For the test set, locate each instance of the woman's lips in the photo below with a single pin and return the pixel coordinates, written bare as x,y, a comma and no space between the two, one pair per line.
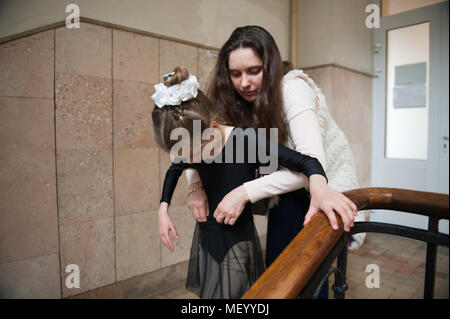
249,93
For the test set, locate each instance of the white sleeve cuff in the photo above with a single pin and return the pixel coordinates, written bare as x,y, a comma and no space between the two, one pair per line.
192,176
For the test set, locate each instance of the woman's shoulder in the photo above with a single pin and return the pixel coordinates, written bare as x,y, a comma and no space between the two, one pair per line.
298,95
296,77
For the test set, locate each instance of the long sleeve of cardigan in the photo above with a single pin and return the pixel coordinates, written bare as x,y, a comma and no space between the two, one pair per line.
192,176
307,139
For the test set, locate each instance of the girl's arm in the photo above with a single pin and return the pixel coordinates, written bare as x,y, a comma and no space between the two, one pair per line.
165,224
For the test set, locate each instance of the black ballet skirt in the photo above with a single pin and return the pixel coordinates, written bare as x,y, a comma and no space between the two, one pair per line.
226,260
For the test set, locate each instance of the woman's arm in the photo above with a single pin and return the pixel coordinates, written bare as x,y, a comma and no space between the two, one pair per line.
192,176
197,200
323,198
307,139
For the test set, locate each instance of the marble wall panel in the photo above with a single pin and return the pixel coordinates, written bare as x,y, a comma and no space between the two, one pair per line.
85,185
136,180
33,278
84,51
172,54
137,244
27,139
90,245
132,105
26,66
206,62
83,112
135,57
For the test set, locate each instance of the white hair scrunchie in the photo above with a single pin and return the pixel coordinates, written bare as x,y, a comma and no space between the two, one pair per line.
177,93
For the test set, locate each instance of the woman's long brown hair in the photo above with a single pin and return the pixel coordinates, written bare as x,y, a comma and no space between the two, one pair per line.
267,110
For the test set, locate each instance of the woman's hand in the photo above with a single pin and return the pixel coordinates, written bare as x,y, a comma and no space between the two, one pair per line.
198,203
329,201
166,226
231,206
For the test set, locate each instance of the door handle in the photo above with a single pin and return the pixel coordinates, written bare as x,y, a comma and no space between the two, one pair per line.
445,138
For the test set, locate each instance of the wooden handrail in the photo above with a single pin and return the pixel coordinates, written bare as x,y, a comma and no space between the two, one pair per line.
290,272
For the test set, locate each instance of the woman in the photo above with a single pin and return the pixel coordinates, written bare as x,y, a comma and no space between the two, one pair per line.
225,255
249,86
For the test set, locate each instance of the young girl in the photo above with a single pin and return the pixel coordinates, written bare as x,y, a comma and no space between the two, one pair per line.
226,255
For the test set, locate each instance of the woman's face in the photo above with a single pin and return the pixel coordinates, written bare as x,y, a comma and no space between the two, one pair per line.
246,72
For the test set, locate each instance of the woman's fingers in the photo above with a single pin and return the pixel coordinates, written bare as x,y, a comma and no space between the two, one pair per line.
331,218
311,212
343,211
222,216
218,215
198,215
346,209
229,220
351,205
198,204
204,210
337,204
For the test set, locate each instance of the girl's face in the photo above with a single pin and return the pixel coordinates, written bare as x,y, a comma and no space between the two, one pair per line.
246,72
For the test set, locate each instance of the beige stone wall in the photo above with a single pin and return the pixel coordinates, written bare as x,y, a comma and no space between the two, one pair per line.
81,174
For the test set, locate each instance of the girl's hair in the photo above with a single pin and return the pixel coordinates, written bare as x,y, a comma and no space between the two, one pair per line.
169,117
267,110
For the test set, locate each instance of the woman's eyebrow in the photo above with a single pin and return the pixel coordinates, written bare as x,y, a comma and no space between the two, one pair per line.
250,67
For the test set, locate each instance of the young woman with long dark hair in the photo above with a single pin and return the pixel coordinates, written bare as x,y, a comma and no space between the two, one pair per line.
249,85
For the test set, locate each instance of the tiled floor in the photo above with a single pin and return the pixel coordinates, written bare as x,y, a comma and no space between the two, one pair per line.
401,265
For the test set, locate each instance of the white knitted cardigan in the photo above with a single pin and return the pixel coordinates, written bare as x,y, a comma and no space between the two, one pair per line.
340,163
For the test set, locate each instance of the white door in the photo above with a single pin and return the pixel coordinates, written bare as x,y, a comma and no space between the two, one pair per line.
411,107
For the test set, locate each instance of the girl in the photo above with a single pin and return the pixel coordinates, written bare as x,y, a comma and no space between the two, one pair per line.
225,255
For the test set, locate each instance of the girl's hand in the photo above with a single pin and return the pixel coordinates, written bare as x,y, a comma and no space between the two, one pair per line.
231,206
198,203
330,201
166,226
